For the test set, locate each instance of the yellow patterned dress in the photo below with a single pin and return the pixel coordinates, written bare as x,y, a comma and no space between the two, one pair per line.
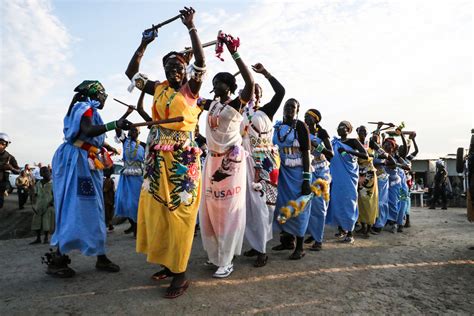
170,194
368,200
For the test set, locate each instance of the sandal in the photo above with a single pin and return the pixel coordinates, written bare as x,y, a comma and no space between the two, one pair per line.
261,260
174,292
251,253
162,274
297,255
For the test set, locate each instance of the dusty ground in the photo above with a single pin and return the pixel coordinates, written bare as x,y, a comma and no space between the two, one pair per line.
428,269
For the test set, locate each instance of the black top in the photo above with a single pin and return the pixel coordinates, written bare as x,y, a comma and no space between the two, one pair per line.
5,158
271,107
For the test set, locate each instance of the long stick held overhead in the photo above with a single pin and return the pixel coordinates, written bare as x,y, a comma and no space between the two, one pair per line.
189,49
159,122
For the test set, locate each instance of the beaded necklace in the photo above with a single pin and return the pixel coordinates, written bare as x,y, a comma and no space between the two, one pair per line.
131,155
170,99
214,119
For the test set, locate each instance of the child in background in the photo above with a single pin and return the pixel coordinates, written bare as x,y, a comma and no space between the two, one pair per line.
109,198
43,218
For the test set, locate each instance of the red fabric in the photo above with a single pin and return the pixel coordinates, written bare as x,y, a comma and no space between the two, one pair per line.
88,113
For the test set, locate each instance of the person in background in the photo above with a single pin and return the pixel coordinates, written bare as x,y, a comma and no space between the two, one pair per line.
43,218
109,198
22,185
441,185
7,164
31,184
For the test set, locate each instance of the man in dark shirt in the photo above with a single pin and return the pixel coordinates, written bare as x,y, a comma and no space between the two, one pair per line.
440,186
7,164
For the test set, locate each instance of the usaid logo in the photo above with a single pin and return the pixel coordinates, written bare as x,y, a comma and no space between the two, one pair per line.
223,194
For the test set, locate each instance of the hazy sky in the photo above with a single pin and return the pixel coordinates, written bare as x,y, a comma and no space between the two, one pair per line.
360,61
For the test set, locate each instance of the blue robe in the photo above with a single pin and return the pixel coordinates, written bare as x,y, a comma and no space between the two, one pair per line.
393,194
129,186
319,206
343,210
383,183
404,197
290,180
77,189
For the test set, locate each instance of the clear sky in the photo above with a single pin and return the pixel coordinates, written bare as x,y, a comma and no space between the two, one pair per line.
360,61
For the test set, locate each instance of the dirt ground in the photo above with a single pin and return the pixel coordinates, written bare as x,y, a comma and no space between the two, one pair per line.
428,269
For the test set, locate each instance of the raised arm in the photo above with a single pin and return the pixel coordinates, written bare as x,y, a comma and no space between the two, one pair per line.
359,151
118,131
199,60
412,137
134,64
248,90
140,108
271,107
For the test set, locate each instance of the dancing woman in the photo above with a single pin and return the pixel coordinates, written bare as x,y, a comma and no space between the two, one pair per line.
170,195
342,211
292,137
368,201
321,149
131,179
263,163
78,180
222,209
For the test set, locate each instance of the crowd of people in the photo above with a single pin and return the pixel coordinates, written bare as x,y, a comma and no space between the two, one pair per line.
258,177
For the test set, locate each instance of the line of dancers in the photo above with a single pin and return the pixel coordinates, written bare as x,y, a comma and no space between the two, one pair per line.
257,178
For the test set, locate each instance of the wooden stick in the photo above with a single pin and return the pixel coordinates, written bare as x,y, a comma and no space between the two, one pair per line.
127,105
159,122
188,50
155,27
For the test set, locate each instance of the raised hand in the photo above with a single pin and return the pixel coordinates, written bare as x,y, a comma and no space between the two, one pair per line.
149,35
258,68
124,124
187,16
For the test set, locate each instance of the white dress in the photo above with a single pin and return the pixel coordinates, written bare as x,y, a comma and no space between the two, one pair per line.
262,177
222,208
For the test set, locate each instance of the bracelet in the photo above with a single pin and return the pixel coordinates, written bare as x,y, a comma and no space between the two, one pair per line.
236,55
320,148
344,153
192,29
110,126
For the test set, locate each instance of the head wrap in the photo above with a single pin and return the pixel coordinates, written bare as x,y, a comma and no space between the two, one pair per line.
90,88
228,79
315,114
180,57
392,141
348,125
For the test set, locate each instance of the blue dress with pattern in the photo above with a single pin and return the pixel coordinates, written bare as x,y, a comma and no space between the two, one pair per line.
319,205
77,189
343,210
290,181
129,186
